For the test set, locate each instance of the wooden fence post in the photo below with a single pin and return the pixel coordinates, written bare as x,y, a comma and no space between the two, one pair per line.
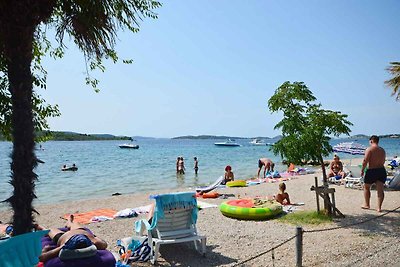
299,246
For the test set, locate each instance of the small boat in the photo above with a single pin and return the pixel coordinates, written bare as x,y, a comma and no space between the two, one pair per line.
131,146
257,142
270,144
72,168
350,148
229,142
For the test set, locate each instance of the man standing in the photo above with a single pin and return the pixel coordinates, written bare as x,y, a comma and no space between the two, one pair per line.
268,165
376,173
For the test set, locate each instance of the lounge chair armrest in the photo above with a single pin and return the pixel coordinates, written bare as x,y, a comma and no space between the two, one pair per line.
141,226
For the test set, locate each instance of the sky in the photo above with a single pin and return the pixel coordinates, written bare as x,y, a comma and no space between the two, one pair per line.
209,67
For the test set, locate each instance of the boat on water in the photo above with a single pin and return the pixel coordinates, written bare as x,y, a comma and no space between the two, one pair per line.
229,142
257,142
350,148
129,146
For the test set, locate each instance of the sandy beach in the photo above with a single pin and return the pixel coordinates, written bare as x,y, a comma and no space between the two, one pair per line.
230,241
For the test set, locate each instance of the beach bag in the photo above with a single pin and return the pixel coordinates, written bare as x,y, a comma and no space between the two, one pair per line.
140,251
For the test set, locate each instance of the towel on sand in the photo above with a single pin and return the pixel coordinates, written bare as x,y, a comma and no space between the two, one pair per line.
86,217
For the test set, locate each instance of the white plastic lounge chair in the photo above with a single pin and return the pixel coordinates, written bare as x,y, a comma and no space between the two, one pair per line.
174,221
210,187
394,183
353,178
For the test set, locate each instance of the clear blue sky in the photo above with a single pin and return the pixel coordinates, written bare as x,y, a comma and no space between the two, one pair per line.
209,67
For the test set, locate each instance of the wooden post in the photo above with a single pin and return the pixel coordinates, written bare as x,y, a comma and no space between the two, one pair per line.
299,246
316,193
333,204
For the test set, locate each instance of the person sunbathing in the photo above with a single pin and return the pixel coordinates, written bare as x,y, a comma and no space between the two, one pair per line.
77,237
336,168
282,197
228,176
6,230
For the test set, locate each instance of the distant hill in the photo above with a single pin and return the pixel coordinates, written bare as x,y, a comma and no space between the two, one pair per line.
71,136
363,136
214,137
358,136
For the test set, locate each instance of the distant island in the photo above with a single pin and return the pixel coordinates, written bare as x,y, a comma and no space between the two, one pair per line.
72,136
363,136
220,137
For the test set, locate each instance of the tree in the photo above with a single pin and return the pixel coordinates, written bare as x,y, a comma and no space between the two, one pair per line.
93,26
306,127
394,82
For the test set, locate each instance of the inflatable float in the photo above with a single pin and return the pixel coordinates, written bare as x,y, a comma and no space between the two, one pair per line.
251,209
207,195
70,169
237,183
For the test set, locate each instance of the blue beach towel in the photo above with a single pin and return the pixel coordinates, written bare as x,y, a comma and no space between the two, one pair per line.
21,250
168,202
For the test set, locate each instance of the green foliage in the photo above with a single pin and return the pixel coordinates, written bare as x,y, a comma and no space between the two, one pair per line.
41,110
306,127
93,26
305,218
394,82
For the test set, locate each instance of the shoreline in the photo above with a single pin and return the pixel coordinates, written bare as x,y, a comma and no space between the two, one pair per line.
230,240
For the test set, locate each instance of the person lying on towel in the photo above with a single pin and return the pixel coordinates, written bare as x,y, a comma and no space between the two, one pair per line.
78,237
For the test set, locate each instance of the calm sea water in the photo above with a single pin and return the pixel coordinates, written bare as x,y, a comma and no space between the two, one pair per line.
104,168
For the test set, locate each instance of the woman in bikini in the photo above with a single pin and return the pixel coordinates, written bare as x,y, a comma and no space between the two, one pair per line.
83,235
336,168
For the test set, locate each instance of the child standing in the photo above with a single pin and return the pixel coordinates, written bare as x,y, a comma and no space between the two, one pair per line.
196,165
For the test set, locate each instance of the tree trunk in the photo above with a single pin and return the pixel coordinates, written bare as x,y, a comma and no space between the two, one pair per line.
18,51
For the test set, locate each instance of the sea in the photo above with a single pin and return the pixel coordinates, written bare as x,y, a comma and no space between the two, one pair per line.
105,169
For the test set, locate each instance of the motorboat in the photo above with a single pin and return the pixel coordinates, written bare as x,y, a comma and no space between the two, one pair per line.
229,142
257,142
350,148
129,146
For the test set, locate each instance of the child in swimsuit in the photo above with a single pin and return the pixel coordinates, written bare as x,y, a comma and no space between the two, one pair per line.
282,197
229,176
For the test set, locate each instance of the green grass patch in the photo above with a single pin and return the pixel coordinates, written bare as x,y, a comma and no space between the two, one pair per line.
305,217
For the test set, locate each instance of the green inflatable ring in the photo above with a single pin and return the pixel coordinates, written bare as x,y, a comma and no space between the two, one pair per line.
236,183
243,209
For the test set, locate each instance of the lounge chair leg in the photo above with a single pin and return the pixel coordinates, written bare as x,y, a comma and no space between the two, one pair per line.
195,245
156,249
203,245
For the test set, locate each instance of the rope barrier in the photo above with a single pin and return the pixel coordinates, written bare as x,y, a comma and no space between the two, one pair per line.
312,231
265,252
352,224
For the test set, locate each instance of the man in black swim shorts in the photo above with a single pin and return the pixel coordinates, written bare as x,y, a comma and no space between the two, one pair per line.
376,173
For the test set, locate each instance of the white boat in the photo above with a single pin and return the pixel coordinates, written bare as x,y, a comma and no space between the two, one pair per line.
350,148
257,142
131,146
229,142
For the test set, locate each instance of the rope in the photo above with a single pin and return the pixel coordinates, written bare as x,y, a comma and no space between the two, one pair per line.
312,231
265,252
352,224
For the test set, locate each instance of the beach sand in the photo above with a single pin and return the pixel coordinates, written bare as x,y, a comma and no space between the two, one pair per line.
230,241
